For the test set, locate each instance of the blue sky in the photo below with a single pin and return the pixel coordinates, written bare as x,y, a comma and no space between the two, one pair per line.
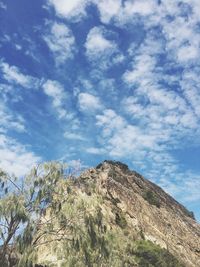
85,80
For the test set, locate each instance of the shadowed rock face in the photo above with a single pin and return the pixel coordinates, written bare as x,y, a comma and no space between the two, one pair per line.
148,209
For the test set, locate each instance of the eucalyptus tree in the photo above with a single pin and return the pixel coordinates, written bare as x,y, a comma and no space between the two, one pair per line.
23,204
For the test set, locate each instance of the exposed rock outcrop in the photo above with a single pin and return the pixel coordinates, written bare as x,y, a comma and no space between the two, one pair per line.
170,225
128,205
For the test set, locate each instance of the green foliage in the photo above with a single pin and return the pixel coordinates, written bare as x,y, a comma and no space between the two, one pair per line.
152,198
150,255
23,202
190,214
120,220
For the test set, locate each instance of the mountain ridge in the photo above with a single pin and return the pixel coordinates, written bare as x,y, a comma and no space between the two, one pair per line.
134,183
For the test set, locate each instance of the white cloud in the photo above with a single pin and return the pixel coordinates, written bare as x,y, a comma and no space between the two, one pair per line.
9,120
97,43
162,106
155,127
110,122
56,92
130,139
123,12
190,83
187,53
73,136
2,5
108,9
161,116
144,64
15,158
141,7
159,111
18,47
184,186
95,151
12,74
122,138
88,102
100,48
180,32
61,42
69,9
6,90
163,111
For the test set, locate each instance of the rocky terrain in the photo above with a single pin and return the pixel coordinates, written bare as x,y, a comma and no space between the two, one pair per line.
111,216
160,218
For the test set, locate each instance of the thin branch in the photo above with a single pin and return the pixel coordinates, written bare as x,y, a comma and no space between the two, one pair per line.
53,240
3,225
14,184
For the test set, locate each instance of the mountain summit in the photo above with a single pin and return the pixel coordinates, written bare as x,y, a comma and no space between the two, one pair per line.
147,209
113,217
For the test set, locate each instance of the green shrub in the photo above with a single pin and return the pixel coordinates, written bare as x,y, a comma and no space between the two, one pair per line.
190,214
120,220
150,255
152,198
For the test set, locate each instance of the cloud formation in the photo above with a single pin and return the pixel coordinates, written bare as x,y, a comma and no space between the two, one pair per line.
88,102
69,9
13,75
125,86
56,92
61,42
101,49
15,157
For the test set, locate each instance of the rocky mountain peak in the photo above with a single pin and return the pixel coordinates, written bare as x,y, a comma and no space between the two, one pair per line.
148,209
112,163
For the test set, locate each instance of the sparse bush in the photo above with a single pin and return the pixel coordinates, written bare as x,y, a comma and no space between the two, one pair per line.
152,198
148,254
120,220
190,214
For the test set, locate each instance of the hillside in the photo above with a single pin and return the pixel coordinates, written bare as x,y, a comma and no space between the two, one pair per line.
111,216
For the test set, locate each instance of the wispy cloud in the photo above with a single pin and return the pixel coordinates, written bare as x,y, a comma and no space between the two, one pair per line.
9,120
96,151
125,84
2,5
56,92
15,158
88,102
73,136
61,42
97,43
101,49
13,75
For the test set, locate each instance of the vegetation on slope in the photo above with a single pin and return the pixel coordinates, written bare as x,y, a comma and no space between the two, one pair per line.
49,218
151,197
149,254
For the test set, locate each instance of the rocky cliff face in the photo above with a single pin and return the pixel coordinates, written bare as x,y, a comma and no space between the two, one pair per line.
114,207
160,218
